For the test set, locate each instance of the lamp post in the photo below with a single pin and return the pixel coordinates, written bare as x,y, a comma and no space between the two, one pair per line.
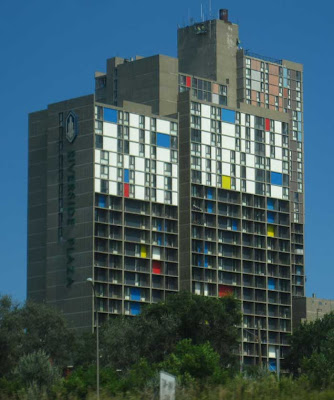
90,281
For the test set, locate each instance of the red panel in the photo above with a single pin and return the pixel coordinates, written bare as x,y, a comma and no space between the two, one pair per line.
188,81
126,190
156,267
224,290
267,124
285,92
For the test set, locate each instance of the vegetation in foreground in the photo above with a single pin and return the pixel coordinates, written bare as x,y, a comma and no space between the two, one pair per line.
192,337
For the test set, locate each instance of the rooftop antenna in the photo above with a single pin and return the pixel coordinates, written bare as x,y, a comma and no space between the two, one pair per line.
202,16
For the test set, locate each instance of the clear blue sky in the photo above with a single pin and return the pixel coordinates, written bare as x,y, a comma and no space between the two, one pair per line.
50,50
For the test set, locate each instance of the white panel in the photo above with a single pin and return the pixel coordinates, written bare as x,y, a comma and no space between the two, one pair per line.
278,153
203,177
140,164
140,192
228,129
237,157
213,179
215,98
126,161
205,111
97,156
109,129
97,170
147,122
272,352
174,170
147,151
252,148
203,149
228,142
226,169
242,132
97,185
134,149
160,167
156,251
139,178
278,126
163,126
134,134
250,160
206,138
237,184
113,159
267,150
276,165
243,146
113,173
276,191
242,119
197,288
250,186
278,140
147,137
256,85
174,184
174,199
255,75
160,182
252,119
267,137
134,120
226,155
250,173
109,144
252,134
237,171
203,166
160,196
205,124
163,154
213,153
113,188
213,167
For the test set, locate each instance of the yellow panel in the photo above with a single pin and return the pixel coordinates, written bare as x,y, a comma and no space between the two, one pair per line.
271,230
226,182
143,251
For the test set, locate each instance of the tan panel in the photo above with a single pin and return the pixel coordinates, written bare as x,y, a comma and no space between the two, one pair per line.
273,69
215,88
254,95
273,90
256,65
273,80
271,99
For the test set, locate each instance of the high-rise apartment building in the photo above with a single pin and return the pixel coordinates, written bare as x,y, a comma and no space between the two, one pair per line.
177,174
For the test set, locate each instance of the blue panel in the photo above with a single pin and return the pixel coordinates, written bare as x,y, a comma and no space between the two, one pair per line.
102,201
285,82
199,249
285,72
271,284
228,115
135,294
209,207
209,193
299,114
135,308
110,115
299,126
126,176
272,365
299,136
206,248
163,140
234,225
271,217
206,262
159,240
270,204
276,178
159,225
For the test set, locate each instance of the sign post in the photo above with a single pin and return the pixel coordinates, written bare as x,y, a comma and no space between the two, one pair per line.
167,386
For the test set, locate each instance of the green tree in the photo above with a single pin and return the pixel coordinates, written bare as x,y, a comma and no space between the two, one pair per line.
191,363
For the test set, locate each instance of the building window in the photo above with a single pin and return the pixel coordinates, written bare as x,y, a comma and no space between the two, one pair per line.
104,157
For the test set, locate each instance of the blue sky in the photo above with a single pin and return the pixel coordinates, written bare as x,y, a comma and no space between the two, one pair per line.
50,51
